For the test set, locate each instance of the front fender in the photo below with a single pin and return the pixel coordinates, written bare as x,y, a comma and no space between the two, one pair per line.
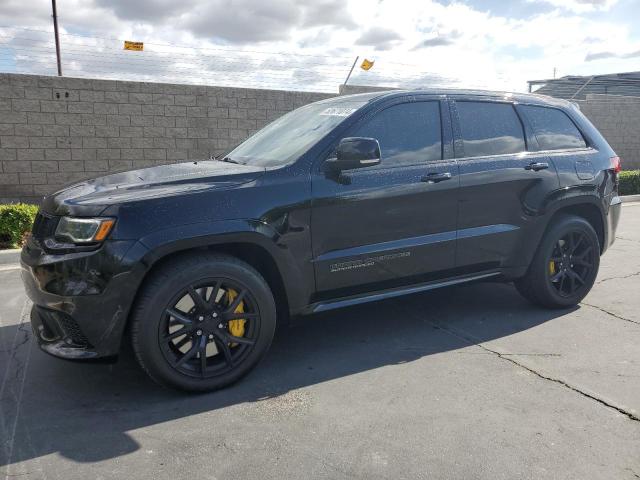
163,243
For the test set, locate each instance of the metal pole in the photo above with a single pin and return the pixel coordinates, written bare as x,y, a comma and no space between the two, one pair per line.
55,31
352,67
582,87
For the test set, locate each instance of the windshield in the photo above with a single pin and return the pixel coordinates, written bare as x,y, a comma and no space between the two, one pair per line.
288,137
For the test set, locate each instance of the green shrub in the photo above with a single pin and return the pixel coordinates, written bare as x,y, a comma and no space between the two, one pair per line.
629,182
15,222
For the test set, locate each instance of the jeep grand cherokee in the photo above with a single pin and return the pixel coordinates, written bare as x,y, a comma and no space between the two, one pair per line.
344,201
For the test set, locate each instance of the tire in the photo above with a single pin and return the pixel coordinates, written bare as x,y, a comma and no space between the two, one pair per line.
550,285
177,304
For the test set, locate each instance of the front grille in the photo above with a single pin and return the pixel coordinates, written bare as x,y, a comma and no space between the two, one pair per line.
44,226
71,330
60,326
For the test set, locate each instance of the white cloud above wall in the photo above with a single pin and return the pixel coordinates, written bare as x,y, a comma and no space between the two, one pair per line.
580,6
310,44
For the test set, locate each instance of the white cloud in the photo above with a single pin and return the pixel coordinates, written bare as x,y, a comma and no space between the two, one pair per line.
580,6
413,42
380,38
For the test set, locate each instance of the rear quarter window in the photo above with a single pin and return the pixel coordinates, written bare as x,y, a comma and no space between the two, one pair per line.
553,128
490,129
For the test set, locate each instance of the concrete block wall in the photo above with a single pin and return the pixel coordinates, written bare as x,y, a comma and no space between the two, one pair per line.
618,119
57,130
351,89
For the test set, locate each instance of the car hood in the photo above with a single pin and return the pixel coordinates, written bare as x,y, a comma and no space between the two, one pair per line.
147,183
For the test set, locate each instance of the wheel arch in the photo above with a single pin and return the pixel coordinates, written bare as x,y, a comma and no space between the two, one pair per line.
251,241
250,252
589,210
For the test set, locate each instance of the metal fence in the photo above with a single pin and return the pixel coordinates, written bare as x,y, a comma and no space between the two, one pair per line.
32,51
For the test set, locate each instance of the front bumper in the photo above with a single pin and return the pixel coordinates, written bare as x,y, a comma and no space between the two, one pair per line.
81,300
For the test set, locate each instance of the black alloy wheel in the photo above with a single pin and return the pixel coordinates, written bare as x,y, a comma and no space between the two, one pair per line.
571,263
202,321
197,331
565,265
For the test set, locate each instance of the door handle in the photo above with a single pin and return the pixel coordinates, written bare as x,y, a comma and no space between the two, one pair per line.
535,166
436,177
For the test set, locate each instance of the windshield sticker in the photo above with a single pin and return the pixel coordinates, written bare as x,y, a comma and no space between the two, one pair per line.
338,111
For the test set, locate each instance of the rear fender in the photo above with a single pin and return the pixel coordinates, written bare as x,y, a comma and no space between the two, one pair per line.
561,200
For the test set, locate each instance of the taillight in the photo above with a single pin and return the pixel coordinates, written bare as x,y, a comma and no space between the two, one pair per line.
616,164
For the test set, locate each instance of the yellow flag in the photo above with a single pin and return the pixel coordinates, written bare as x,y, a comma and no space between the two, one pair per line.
137,46
367,64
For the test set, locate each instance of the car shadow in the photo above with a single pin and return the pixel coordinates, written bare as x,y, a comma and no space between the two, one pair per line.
84,411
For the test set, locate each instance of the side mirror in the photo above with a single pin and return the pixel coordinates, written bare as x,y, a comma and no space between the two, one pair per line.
355,152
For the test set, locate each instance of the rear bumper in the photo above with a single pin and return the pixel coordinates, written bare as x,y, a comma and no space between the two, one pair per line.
612,219
81,300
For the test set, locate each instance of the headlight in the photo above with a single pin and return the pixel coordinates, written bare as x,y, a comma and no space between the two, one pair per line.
84,230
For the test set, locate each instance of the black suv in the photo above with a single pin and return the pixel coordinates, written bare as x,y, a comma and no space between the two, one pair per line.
340,202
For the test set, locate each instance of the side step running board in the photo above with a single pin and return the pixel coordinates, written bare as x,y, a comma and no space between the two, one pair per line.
396,292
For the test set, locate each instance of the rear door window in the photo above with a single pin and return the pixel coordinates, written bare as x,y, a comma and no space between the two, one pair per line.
408,133
553,129
490,129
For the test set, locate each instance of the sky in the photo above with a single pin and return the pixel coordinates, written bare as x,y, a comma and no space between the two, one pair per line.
311,44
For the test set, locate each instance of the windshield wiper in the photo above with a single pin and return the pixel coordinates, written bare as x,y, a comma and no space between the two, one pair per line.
230,160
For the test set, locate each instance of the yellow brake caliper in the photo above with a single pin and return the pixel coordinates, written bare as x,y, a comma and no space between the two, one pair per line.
236,327
552,267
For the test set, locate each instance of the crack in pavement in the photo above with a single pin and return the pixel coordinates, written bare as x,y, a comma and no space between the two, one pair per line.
615,315
11,350
532,354
513,354
15,344
633,473
635,274
628,239
15,386
472,341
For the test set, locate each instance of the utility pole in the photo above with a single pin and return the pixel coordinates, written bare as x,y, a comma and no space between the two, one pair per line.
554,72
55,31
